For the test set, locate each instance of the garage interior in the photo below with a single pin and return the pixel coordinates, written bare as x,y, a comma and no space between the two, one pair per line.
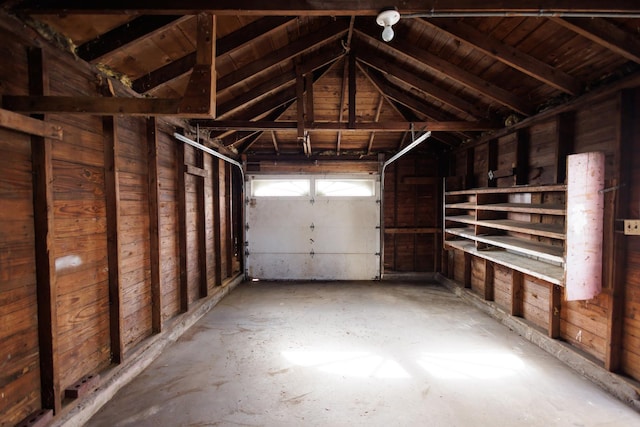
163,162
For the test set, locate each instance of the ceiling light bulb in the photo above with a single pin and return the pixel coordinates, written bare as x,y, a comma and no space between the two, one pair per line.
387,18
387,33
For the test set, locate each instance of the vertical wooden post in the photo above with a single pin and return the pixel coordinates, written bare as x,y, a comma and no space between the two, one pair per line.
488,280
308,83
217,235
565,135
154,224
202,227
300,108
517,285
352,90
229,208
112,195
492,162
555,302
182,226
627,140
467,269
41,159
522,157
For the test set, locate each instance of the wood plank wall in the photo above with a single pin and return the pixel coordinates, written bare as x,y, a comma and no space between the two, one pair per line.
411,214
605,327
111,236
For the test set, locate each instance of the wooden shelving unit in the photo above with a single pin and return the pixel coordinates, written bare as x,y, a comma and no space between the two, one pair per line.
521,227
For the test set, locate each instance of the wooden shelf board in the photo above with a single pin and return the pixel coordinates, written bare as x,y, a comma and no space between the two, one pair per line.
539,269
547,209
465,219
554,231
528,247
517,189
460,206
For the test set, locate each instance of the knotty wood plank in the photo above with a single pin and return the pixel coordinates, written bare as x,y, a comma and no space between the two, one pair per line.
44,226
112,195
181,201
488,281
517,283
154,224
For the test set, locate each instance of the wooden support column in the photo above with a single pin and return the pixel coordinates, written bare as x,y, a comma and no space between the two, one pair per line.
200,96
41,157
202,225
229,208
300,109
493,162
112,195
628,113
565,131
555,303
182,226
352,90
154,224
467,269
517,284
522,157
217,235
488,280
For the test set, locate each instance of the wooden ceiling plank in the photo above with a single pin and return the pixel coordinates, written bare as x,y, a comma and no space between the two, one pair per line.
237,39
506,54
138,29
606,34
300,46
382,63
447,69
316,8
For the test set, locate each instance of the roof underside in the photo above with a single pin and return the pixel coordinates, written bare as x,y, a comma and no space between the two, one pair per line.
321,69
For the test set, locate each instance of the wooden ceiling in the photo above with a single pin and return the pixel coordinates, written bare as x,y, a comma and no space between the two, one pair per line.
314,77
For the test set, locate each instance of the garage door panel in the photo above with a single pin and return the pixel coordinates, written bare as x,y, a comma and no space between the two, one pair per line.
278,239
316,267
347,239
352,212
272,213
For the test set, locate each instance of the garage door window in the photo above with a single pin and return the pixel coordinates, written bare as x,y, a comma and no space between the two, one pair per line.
345,187
280,187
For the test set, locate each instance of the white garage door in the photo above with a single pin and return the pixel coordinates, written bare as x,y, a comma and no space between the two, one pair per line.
313,228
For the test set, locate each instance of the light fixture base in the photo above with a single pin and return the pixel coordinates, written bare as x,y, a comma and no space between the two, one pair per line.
388,17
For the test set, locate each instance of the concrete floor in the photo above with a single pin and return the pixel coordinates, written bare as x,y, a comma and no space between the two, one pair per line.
345,354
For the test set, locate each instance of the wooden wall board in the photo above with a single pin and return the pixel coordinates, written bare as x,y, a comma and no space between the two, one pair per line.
477,275
502,286
536,301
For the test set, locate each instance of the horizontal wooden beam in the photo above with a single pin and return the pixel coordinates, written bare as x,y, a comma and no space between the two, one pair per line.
28,125
317,8
455,126
418,230
92,105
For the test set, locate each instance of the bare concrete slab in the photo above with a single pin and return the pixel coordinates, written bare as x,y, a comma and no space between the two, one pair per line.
356,353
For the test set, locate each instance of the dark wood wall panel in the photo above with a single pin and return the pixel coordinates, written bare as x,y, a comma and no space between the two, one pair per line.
596,129
224,220
19,351
477,275
542,153
80,247
168,227
210,219
191,191
631,308
411,207
535,304
503,288
134,257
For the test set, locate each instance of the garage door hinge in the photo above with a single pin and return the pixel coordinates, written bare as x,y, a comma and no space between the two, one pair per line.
246,252
312,227
377,227
312,201
246,227
312,253
377,253
378,201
